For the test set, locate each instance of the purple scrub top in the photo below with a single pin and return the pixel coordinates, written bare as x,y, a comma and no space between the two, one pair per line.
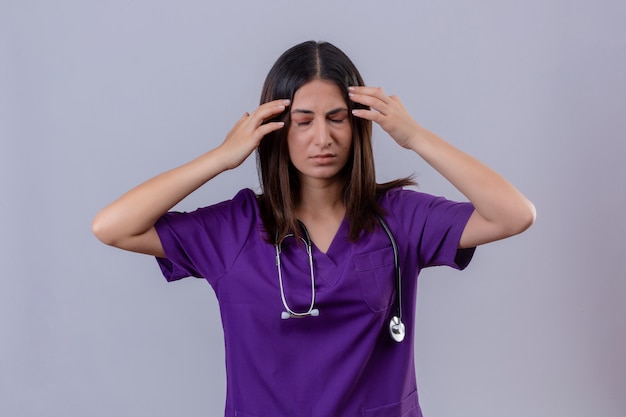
342,363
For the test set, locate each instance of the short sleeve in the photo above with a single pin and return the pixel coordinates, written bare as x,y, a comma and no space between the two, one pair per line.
433,225
205,243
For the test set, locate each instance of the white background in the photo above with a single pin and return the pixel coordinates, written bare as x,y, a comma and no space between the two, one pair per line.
97,96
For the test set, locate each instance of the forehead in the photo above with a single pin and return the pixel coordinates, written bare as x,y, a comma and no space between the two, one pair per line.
318,96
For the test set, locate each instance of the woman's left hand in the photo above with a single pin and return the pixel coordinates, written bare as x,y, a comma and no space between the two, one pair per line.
500,209
388,112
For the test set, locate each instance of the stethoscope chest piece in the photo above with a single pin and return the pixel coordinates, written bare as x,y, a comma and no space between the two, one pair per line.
397,329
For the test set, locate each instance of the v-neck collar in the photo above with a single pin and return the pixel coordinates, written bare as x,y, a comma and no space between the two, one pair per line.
329,266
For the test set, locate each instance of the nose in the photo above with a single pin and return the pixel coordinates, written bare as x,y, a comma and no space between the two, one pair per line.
322,135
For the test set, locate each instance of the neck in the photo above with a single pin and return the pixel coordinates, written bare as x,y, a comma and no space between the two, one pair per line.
320,201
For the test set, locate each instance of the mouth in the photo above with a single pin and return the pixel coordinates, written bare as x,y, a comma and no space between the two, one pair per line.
323,158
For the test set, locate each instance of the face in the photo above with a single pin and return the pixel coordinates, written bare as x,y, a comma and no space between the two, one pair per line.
320,134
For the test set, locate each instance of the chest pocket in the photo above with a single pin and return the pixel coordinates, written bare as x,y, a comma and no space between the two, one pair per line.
376,278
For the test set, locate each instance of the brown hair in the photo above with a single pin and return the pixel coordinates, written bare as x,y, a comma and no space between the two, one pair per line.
279,180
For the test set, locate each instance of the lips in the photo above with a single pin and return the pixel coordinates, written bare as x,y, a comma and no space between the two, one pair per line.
323,158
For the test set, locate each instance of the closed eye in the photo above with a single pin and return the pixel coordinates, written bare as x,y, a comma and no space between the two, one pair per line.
308,122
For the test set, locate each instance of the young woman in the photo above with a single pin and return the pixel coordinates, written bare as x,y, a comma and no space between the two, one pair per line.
316,277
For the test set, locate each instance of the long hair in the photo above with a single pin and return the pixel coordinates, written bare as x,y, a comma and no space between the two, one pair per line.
279,180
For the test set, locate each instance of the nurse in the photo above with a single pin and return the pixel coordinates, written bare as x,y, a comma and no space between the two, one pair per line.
304,272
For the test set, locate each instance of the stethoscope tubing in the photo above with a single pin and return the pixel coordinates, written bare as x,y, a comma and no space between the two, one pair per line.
396,326
312,310
396,265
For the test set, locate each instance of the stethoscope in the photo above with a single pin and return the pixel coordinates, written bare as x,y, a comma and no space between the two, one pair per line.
397,329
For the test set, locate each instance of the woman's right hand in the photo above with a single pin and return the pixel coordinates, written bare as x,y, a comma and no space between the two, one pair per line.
128,222
247,133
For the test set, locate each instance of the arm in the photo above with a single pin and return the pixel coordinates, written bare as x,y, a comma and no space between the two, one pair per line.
128,222
500,209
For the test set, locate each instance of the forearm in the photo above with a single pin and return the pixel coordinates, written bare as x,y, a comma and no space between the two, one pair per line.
501,210
128,222
494,198
135,212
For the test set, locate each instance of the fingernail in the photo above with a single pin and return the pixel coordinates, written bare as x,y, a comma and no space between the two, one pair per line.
350,88
286,102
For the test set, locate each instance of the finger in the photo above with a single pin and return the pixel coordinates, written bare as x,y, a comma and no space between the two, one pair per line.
368,100
269,128
269,109
395,99
377,92
374,97
241,121
374,116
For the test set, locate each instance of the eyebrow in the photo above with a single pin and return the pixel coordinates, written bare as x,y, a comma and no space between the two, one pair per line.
328,113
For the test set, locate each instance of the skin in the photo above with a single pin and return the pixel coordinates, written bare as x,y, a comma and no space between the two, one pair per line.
500,209
319,140
320,135
128,222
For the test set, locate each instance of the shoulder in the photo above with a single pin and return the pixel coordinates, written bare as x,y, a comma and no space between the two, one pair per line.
415,206
233,212
398,198
229,220
433,225
207,241
244,203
